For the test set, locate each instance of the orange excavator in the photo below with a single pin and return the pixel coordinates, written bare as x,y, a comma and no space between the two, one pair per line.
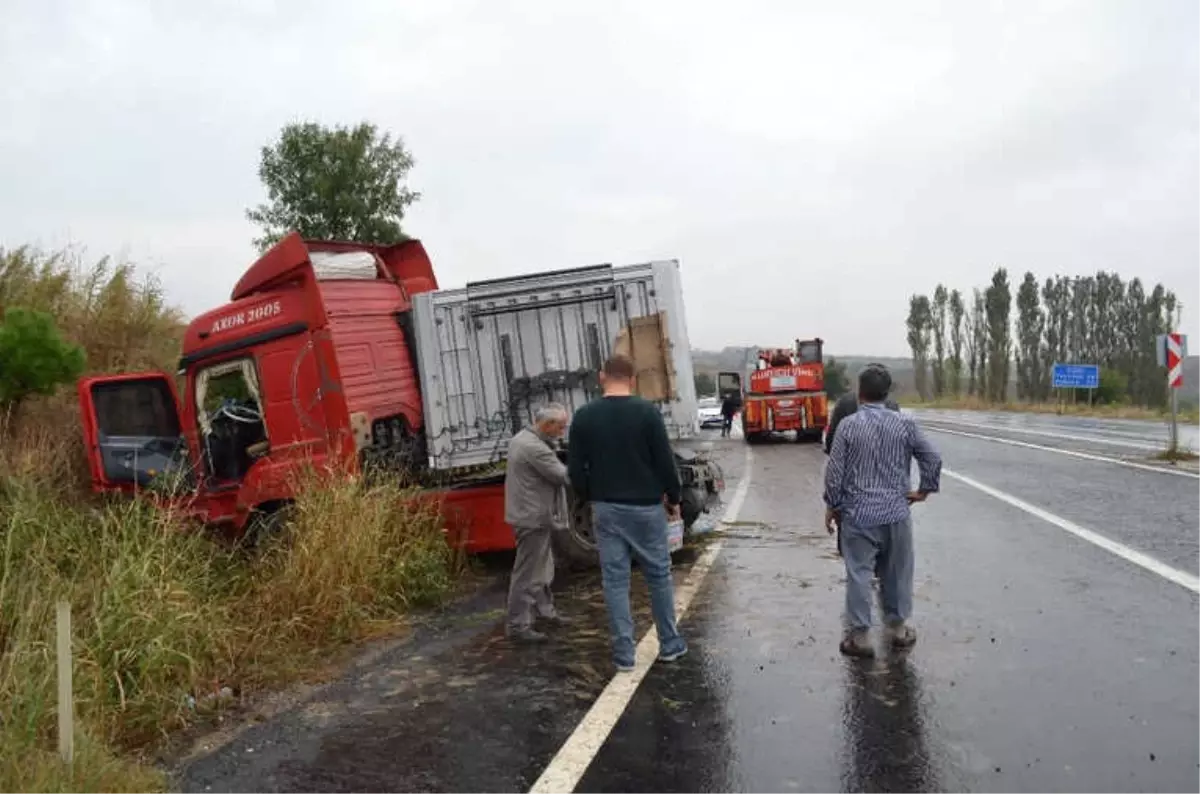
783,391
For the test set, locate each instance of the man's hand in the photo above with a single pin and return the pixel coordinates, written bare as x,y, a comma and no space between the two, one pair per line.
917,496
832,519
674,513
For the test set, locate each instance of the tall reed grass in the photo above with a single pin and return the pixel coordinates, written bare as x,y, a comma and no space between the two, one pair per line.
164,615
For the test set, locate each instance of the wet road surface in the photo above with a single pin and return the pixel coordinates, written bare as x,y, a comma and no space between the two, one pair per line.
1124,438
1045,662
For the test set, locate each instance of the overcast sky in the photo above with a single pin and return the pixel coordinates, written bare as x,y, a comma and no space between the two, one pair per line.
810,164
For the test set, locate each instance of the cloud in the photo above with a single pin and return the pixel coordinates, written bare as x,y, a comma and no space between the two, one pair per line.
811,165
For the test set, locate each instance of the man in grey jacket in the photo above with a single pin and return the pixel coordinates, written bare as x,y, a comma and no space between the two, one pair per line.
535,507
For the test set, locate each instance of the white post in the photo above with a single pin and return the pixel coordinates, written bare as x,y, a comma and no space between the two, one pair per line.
66,697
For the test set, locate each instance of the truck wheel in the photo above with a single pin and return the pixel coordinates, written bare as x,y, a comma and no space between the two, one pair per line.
691,505
575,547
266,521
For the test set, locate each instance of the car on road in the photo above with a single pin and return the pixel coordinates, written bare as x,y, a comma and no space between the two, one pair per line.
710,412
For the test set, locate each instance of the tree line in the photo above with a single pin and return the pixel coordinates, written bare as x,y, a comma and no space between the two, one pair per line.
975,344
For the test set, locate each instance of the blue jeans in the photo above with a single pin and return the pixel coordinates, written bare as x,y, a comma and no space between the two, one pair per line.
624,532
885,550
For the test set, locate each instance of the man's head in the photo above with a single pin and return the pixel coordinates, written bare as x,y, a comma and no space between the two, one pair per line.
550,420
616,378
874,383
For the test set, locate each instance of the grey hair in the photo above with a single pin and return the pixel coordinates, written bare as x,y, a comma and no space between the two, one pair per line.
550,412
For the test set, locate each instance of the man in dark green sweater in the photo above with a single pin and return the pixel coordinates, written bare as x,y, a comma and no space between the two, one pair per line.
620,462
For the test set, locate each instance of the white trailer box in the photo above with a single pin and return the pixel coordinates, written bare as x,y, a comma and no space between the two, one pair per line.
489,353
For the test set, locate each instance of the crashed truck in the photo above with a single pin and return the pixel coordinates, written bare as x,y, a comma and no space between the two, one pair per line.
349,354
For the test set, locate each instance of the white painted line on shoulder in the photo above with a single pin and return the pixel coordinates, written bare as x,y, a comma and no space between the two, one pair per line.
571,761
1167,572
1068,452
1115,442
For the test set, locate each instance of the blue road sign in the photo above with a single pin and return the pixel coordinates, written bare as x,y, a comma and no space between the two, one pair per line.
1076,376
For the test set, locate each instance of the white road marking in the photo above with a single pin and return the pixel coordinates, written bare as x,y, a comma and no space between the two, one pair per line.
1167,572
571,761
1047,434
1069,452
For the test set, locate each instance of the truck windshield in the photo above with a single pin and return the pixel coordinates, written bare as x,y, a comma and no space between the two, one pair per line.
810,352
233,431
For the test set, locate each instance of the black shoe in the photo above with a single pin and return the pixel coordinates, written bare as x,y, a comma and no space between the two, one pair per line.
555,620
526,636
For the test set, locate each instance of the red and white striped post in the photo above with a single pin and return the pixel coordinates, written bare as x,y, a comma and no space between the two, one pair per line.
1175,351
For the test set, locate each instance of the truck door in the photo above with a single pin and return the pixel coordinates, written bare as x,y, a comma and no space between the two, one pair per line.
729,383
132,430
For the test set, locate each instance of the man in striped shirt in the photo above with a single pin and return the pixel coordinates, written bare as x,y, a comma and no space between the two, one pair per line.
868,494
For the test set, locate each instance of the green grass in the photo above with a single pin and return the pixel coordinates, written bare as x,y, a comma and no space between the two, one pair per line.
163,614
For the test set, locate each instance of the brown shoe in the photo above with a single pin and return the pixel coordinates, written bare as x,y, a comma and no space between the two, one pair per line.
857,644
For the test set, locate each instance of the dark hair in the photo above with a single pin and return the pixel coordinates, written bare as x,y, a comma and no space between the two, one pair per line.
874,383
619,367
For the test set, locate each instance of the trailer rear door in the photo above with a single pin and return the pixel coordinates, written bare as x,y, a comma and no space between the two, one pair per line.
490,353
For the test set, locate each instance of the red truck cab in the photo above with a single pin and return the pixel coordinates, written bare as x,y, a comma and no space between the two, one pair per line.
312,362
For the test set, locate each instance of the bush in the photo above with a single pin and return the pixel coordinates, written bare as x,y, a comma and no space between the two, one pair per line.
34,358
120,320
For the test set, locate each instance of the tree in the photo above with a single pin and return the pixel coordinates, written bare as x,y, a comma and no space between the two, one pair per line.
34,359
1030,327
977,346
937,323
998,299
342,183
1056,294
919,316
1080,347
837,382
1097,319
1114,387
955,369
706,384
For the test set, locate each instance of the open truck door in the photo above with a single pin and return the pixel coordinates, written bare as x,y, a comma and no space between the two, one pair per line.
729,383
132,429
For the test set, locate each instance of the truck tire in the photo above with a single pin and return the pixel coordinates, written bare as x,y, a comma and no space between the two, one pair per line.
691,505
575,547
267,521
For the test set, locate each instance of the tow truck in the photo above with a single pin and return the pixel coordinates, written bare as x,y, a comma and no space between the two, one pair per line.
782,391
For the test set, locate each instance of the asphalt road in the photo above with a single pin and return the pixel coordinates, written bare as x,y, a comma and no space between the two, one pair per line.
1125,438
1049,658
